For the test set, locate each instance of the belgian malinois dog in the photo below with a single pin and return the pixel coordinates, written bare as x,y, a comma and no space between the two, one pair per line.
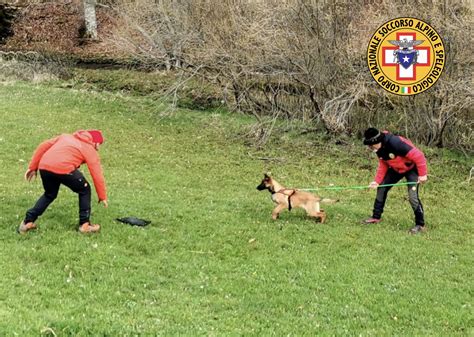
293,198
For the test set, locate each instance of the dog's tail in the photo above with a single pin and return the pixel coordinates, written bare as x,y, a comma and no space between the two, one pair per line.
329,201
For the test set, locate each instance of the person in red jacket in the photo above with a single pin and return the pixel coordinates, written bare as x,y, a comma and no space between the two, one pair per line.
58,161
398,158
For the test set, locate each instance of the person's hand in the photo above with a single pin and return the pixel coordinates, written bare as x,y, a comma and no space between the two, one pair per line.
422,179
104,202
30,174
373,185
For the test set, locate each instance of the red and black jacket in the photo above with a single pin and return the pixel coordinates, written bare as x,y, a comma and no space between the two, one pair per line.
399,154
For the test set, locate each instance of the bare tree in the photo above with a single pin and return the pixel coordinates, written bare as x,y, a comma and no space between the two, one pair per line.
90,19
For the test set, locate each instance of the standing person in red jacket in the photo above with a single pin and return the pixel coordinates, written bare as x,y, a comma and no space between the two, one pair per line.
58,161
398,158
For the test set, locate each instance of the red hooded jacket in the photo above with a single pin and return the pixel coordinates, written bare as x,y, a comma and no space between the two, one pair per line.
399,154
66,153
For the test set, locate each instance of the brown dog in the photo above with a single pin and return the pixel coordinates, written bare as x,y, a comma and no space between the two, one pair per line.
291,198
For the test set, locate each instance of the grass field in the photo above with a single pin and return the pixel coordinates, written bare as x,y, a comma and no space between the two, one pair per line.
213,262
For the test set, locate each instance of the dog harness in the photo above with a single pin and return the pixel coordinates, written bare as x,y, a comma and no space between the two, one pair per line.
282,191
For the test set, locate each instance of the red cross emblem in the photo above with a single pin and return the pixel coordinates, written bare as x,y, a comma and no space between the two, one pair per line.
406,74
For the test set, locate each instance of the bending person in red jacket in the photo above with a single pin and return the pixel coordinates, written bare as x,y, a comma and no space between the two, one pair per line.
398,158
58,161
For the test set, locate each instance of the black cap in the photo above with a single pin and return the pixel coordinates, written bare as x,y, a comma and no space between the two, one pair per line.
372,136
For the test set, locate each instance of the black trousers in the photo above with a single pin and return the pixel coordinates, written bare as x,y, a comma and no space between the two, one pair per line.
51,183
392,177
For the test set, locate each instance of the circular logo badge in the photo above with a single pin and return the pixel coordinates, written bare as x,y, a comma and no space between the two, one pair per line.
406,56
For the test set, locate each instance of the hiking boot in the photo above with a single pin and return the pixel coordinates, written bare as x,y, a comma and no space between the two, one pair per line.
417,229
371,221
86,227
25,227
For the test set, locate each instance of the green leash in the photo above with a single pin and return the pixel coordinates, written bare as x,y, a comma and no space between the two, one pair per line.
355,187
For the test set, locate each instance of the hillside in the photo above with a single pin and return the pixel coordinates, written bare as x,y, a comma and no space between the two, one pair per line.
213,262
271,61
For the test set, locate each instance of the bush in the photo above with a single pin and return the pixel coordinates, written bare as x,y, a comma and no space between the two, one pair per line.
32,66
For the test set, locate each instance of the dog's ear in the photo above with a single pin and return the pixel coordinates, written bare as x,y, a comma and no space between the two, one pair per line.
266,176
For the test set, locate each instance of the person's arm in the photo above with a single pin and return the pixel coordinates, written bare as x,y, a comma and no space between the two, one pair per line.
95,168
381,171
37,155
39,152
419,159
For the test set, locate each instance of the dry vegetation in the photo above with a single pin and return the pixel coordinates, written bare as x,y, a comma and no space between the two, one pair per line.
298,59
306,60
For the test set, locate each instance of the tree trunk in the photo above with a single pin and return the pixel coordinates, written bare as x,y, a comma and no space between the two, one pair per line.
90,19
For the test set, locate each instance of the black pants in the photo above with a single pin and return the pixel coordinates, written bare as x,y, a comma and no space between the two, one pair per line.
51,183
392,177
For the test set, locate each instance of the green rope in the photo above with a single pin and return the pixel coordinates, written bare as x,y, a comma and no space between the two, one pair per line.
355,187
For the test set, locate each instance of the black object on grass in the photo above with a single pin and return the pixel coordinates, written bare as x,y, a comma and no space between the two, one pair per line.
133,221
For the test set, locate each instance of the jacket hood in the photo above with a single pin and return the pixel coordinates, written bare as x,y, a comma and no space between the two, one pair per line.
84,136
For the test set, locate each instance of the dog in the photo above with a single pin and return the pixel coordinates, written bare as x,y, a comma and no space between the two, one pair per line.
293,198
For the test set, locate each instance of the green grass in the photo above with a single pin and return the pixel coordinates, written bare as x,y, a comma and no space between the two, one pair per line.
188,92
213,262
